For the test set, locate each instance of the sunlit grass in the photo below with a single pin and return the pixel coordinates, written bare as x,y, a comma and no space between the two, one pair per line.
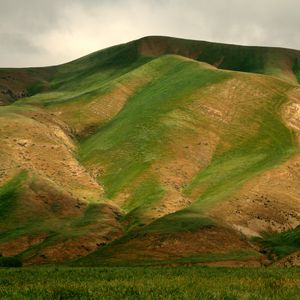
149,283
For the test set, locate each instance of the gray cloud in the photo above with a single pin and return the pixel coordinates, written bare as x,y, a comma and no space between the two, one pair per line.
44,32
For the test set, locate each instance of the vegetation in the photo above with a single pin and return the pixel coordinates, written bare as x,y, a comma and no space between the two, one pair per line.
10,262
167,128
184,220
149,283
134,138
283,243
260,60
106,257
272,144
9,193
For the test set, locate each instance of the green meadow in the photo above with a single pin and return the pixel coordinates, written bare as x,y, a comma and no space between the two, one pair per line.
149,283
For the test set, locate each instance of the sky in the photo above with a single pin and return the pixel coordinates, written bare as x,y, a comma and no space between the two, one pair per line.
48,32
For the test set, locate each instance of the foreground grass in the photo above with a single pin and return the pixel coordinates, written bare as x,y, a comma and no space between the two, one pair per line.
149,283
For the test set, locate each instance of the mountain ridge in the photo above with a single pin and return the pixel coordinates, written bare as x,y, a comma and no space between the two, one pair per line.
213,54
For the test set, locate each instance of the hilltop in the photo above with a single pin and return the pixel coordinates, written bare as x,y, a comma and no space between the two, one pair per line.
161,150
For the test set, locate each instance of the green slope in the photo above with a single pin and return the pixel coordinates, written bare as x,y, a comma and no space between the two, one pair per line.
9,193
135,137
84,75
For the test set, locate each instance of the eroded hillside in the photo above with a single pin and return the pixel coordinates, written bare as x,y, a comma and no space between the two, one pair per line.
142,153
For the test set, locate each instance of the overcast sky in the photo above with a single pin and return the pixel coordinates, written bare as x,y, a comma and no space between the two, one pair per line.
46,32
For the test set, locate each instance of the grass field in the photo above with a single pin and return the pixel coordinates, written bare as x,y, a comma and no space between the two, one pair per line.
149,283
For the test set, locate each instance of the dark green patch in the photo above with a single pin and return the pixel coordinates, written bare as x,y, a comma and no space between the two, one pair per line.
284,243
180,221
9,193
10,262
93,213
296,69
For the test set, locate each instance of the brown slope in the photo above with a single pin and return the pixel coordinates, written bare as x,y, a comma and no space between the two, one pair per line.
270,202
57,212
203,247
19,83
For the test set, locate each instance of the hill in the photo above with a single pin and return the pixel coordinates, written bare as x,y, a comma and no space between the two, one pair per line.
160,149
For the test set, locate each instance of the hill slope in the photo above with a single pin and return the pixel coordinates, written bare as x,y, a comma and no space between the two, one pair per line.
114,61
149,145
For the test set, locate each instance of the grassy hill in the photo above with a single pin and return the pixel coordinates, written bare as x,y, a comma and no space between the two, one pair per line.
160,149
